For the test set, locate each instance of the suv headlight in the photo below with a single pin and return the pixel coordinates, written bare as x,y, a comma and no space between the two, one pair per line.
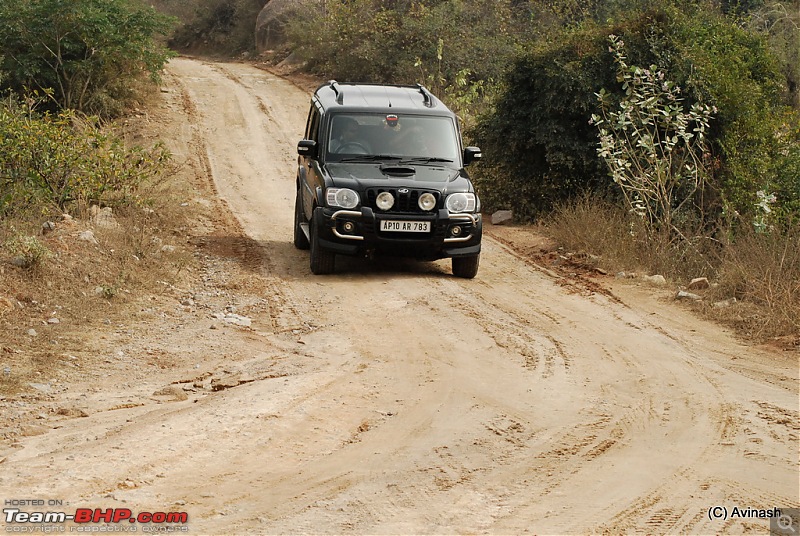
461,202
341,197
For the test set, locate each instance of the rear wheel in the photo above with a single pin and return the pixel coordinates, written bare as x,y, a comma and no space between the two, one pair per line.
322,261
466,267
300,238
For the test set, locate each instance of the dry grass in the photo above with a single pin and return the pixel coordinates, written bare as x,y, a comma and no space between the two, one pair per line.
619,242
83,284
762,271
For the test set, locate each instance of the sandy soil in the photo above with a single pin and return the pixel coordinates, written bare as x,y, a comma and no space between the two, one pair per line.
391,397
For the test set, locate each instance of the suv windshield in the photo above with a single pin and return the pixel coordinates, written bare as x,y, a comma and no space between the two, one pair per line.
392,136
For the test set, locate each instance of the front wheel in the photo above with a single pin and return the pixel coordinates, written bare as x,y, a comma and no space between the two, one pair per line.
466,267
322,261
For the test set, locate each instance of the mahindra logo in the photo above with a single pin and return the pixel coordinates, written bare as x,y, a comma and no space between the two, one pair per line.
403,191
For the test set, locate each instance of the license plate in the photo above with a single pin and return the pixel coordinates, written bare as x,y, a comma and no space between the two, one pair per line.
398,226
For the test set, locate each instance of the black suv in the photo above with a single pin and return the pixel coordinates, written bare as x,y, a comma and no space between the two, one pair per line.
381,171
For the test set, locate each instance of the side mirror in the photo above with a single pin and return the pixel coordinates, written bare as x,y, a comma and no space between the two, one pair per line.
307,148
472,154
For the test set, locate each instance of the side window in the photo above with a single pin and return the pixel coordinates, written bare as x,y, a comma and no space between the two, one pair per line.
312,126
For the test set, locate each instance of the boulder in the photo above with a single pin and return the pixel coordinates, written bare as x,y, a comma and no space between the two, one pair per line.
683,295
698,283
502,217
657,279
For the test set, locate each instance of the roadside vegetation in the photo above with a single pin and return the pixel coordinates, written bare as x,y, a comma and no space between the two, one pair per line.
83,195
654,136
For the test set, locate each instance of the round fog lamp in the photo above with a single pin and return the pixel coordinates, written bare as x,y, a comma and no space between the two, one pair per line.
348,227
384,201
456,230
427,201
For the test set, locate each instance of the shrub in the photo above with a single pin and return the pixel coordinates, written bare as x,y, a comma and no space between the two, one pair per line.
63,161
28,251
760,269
538,143
654,148
82,54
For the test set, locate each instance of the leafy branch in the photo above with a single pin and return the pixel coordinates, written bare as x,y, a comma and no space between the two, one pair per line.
655,148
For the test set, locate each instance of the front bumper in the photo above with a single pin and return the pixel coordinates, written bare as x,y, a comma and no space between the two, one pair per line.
357,232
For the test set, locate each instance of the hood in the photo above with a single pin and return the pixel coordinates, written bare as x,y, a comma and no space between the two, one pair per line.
365,175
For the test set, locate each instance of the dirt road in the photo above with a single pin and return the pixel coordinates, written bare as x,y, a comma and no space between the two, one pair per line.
397,399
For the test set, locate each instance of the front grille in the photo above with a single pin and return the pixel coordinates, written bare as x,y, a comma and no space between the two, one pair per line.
405,199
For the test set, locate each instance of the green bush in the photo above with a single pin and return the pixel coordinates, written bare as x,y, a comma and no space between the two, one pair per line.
539,148
28,251
654,147
63,161
84,54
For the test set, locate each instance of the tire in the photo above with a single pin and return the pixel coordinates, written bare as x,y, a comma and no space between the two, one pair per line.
466,267
322,261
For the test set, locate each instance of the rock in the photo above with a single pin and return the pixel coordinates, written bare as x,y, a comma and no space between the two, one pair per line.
502,217
724,303
683,295
655,279
87,236
238,320
48,227
102,217
32,332
72,412
53,320
168,249
229,381
172,392
698,283
43,387
33,430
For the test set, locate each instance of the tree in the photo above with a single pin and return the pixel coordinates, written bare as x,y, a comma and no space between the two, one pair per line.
83,54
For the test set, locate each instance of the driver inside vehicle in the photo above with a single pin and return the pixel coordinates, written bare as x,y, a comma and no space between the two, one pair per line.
345,137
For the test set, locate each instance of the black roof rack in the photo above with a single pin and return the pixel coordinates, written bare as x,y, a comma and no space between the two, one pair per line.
334,85
426,96
338,90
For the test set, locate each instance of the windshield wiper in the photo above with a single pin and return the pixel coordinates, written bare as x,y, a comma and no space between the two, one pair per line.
369,158
427,159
